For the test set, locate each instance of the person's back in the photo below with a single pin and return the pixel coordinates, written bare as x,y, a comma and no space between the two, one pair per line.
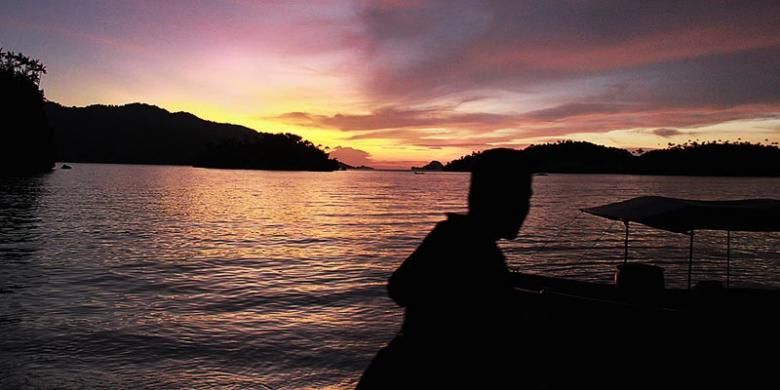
455,283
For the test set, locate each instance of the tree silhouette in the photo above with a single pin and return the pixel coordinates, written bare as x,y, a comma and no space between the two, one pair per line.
691,158
26,142
21,66
267,151
712,158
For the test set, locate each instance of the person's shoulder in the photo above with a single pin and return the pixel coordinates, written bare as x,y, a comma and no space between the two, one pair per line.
455,227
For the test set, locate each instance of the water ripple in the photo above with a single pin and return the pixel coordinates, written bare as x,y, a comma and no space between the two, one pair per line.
171,277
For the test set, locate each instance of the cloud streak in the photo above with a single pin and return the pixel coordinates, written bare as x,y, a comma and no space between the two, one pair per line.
446,47
396,118
441,127
666,133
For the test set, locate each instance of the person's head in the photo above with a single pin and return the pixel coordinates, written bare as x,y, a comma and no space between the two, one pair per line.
500,191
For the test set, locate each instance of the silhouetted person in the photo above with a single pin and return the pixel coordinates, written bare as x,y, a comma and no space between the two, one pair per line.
460,327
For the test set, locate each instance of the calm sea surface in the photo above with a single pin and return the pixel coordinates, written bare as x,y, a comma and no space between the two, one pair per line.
117,276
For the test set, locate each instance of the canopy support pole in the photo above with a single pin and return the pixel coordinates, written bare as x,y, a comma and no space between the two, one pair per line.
728,257
625,255
690,260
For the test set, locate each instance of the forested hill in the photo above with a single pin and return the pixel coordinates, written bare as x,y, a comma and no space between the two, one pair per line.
145,134
693,159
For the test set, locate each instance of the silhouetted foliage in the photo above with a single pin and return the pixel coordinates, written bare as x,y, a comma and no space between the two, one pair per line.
578,157
463,163
26,141
145,134
267,151
704,159
708,159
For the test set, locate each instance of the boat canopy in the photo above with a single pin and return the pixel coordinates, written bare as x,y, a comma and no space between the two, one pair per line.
685,216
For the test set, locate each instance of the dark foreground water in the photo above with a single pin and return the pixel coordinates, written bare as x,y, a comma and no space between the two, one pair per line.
118,276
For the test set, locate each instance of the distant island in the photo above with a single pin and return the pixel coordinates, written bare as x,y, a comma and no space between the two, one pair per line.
347,167
432,166
145,134
39,132
284,152
689,159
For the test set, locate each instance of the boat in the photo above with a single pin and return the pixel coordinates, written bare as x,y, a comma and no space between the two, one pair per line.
641,284
648,329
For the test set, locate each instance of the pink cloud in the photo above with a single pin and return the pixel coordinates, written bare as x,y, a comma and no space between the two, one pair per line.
397,4
395,118
687,42
448,48
352,156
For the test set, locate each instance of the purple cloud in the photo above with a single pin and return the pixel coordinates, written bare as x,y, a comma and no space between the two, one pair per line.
439,48
666,133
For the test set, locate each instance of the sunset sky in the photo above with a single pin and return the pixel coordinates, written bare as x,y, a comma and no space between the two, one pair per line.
400,82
